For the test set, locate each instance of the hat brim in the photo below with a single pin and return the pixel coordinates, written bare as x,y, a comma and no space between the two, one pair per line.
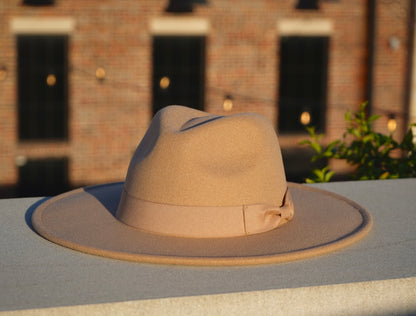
84,220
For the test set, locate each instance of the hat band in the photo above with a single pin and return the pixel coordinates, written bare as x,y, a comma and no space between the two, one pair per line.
202,221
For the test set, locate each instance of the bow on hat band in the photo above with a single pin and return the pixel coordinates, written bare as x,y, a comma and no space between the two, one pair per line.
203,221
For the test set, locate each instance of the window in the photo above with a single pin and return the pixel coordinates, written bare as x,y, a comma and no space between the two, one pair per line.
38,2
42,87
303,82
179,6
43,177
178,71
182,6
307,4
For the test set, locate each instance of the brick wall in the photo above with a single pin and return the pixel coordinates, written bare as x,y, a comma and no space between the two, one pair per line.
391,65
108,118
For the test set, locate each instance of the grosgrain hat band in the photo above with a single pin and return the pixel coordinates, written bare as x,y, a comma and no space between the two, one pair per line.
203,221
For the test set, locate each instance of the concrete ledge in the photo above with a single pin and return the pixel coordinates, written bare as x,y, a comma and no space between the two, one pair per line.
375,276
364,298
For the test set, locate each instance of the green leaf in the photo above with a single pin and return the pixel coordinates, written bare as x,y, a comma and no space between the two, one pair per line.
328,176
311,130
385,175
316,147
368,138
315,158
334,143
305,142
347,116
356,132
372,118
319,173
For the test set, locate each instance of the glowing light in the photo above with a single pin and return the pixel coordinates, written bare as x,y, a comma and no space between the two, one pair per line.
228,103
164,82
391,124
305,118
100,73
51,80
20,160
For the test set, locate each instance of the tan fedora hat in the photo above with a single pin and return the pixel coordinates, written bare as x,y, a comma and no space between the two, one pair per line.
203,189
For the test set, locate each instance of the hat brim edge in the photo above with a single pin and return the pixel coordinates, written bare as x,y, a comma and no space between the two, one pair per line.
344,241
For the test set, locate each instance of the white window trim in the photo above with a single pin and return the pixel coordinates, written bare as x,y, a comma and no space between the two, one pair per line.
305,27
179,26
47,26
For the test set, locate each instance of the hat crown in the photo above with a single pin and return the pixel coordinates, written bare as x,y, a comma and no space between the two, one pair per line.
191,158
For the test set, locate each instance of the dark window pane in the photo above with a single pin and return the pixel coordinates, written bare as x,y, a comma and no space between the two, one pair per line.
303,76
183,6
43,177
42,87
307,4
179,6
38,2
178,71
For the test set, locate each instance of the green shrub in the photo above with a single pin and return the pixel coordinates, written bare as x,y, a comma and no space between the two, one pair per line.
374,155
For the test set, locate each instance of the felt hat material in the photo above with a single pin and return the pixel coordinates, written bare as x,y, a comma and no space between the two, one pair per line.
203,189
199,175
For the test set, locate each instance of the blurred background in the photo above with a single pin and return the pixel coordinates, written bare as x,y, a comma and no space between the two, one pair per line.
81,80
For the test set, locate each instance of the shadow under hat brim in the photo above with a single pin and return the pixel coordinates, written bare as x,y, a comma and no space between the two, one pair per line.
84,220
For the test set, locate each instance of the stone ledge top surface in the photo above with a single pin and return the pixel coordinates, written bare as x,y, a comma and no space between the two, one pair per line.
36,273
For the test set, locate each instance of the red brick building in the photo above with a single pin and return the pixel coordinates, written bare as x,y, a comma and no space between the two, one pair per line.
80,80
